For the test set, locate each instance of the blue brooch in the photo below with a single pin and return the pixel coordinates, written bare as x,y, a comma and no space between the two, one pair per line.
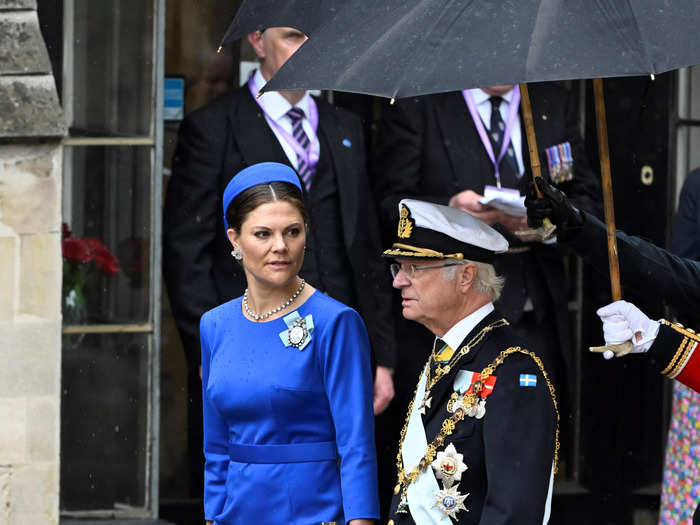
347,143
299,330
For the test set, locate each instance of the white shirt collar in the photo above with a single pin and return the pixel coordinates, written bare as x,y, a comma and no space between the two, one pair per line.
480,96
276,106
460,331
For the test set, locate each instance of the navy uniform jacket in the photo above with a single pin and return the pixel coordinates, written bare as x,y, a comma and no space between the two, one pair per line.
509,452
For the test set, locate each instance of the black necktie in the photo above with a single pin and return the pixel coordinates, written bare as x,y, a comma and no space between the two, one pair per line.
508,166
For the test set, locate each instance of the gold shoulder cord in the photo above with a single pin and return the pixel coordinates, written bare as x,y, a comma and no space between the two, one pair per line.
469,400
680,357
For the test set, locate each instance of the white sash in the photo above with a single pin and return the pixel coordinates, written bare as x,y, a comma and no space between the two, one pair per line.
421,493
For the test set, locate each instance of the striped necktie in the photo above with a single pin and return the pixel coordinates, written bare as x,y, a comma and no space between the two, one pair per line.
296,115
509,166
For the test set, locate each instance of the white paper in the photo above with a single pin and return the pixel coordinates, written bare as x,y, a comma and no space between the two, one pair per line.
509,201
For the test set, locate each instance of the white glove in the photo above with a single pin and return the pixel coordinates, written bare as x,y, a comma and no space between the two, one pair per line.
626,330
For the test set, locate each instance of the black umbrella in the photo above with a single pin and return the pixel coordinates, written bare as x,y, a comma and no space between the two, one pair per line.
401,48
256,15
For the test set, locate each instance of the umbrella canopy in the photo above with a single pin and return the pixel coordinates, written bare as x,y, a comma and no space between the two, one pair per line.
400,48
255,15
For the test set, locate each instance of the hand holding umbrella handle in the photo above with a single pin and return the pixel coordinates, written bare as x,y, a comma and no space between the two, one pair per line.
547,229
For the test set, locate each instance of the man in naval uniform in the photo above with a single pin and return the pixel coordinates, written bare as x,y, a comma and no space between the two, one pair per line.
480,440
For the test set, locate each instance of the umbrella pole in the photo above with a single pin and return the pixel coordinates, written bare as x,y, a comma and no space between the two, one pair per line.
547,227
530,134
606,179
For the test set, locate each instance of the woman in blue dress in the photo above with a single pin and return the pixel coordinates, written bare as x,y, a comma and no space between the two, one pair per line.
286,378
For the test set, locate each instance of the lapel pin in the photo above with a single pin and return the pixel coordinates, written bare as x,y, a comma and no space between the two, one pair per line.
347,143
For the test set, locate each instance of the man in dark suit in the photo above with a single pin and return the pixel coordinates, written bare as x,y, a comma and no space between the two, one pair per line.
432,148
480,438
326,146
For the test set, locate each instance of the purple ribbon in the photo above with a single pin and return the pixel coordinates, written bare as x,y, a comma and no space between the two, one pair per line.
483,134
310,154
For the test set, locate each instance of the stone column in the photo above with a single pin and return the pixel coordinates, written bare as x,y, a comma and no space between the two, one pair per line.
31,127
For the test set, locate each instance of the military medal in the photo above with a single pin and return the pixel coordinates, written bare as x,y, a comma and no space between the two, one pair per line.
480,409
425,404
402,508
298,334
448,466
450,501
560,162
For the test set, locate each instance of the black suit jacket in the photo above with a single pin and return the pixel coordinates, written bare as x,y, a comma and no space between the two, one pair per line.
509,452
429,149
217,141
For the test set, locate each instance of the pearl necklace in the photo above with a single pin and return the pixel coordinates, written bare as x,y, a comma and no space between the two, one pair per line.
260,317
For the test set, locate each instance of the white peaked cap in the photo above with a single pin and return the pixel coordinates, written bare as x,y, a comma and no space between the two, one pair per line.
428,230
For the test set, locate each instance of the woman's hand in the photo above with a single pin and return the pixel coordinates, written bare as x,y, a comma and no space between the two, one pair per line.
361,522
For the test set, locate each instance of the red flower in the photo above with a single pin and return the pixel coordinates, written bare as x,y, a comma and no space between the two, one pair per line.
107,262
87,249
76,250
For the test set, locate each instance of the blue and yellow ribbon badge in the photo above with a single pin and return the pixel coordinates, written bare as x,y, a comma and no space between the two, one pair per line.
444,354
528,380
299,330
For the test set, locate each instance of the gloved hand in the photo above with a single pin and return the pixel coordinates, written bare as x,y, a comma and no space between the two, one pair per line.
626,329
555,205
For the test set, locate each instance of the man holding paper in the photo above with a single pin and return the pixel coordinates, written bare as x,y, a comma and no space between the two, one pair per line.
468,149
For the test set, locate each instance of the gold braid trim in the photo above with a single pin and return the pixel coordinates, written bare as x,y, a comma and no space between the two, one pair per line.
398,249
468,401
679,358
683,360
688,332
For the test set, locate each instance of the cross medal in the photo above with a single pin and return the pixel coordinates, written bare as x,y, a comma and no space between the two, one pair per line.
425,404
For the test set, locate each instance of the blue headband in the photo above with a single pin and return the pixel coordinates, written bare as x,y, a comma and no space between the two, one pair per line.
262,173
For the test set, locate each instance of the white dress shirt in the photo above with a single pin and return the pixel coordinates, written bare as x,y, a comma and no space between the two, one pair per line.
460,331
276,108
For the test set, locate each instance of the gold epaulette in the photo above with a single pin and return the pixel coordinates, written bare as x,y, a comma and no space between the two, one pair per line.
682,353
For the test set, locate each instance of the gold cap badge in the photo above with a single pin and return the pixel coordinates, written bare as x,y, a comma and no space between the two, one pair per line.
405,223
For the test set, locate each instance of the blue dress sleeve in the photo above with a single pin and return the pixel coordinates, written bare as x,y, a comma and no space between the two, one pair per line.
348,383
215,435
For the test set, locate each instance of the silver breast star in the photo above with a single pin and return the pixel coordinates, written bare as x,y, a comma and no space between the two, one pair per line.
425,404
450,501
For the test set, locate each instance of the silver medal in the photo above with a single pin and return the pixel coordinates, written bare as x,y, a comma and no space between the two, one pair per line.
297,333
450,501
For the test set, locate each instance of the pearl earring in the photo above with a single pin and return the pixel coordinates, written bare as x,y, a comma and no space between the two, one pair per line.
237,254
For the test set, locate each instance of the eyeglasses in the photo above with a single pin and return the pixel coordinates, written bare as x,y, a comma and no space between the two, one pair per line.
410,269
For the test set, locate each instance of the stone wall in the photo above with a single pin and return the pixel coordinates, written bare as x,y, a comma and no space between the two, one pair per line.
31,125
